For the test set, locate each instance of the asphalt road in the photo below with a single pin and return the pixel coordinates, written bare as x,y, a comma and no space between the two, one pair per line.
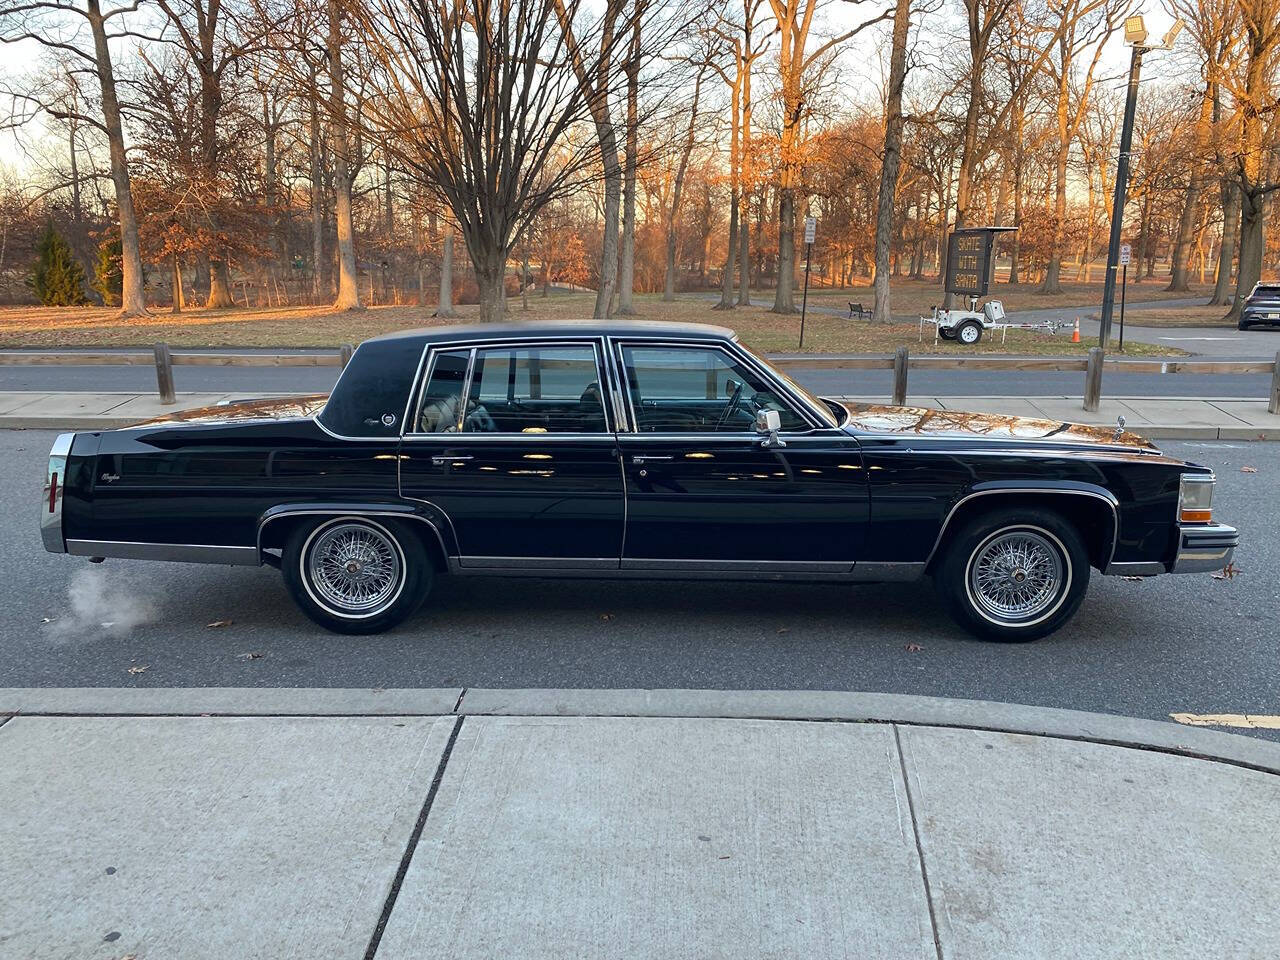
1171,644
253,381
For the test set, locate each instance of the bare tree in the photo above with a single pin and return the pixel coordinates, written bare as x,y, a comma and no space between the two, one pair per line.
1087,25
795,62
480,100
1256,102
891,164
671,212
56,24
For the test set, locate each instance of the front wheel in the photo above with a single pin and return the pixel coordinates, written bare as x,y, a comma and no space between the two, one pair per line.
1013,575
355,574
969,333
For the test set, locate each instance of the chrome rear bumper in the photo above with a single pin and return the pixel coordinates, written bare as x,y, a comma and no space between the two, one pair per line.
51,504
1205,547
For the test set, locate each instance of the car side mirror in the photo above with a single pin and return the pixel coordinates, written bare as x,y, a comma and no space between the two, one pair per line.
769,422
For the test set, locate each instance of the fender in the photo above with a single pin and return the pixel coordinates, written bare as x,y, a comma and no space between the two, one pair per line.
426,513
1077,488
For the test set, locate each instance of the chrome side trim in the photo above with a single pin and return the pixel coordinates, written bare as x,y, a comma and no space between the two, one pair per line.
51,501
870,571
1143,569
1205,548
741,566
538,563
344,512
181,552
1109,499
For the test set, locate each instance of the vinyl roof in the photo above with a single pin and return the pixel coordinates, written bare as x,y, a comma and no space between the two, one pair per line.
568,328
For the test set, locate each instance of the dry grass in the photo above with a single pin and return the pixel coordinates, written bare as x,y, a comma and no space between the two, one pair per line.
910,298
313,326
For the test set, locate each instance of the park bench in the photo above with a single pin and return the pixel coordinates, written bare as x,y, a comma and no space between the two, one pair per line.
862,312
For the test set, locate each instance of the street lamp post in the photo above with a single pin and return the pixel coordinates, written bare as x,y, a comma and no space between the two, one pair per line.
1135,34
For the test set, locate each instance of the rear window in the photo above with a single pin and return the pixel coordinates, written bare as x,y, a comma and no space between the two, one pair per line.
1269,290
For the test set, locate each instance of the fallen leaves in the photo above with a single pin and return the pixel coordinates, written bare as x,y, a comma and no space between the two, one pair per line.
250,655
606,616
1248,469
219,623
1133,579
139,669
914,648
1229,572
48,619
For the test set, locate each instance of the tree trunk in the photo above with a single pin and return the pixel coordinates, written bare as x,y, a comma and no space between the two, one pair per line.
1252,247
219,286
524,279
491,271
317,201
1223,292
1053,272
626,282
735,161
176,279
132,297
445,306
744,165
889,168
348,282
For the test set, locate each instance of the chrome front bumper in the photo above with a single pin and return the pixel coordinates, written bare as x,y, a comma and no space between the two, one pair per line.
1206,547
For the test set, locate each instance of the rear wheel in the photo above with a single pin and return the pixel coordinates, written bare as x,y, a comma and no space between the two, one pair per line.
356,574
1241,325
946,334
1013,574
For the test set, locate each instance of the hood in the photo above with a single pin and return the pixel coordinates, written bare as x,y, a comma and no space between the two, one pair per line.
921,421
270,408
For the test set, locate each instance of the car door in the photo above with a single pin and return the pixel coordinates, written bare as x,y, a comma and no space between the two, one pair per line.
514,443
703,489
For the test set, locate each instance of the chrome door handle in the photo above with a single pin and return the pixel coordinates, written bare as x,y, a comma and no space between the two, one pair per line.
649,459
448,458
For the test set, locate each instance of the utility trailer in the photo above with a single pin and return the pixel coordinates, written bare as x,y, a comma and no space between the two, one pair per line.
968,326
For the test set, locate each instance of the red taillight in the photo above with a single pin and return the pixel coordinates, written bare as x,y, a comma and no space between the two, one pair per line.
53,490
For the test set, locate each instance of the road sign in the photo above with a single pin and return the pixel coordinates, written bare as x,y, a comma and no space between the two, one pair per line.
810,229
1125,253
969,262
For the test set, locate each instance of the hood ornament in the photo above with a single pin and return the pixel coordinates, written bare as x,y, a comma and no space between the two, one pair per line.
1119,428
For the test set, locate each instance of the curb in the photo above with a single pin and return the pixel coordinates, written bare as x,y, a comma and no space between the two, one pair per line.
794,705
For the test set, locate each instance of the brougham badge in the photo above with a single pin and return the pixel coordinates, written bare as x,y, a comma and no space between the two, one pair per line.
109,477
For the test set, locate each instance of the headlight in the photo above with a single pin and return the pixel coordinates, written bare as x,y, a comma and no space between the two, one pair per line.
1195,498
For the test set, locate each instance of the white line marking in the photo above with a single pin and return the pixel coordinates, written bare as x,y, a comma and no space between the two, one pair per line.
1177,339
1254,721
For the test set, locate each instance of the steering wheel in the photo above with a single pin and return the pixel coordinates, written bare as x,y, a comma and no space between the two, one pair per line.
730,406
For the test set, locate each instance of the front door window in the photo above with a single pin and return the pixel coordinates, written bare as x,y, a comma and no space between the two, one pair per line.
698,390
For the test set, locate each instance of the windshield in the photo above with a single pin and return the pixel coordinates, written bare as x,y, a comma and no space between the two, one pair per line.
815,403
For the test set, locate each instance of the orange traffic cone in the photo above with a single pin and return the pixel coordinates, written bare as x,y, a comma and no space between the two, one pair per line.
1075,334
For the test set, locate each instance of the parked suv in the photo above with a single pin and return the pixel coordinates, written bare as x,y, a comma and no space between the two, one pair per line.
1261,306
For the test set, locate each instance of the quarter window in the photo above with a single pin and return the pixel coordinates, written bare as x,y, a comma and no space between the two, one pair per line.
698,390
441,403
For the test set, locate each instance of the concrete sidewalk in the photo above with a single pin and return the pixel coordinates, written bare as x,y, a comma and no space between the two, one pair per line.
553,824
1157,418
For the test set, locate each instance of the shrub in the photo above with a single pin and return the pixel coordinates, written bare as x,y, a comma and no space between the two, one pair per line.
58,280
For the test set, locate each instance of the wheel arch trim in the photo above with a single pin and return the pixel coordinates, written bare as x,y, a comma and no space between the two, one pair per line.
349,510
1010,488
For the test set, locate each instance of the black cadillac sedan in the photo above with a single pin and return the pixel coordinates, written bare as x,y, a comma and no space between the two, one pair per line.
637,450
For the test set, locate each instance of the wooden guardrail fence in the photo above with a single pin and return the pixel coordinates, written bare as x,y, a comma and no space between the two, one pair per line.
1093,366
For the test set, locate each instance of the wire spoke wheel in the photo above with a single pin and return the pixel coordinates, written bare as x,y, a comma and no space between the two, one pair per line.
354,568
1016,576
